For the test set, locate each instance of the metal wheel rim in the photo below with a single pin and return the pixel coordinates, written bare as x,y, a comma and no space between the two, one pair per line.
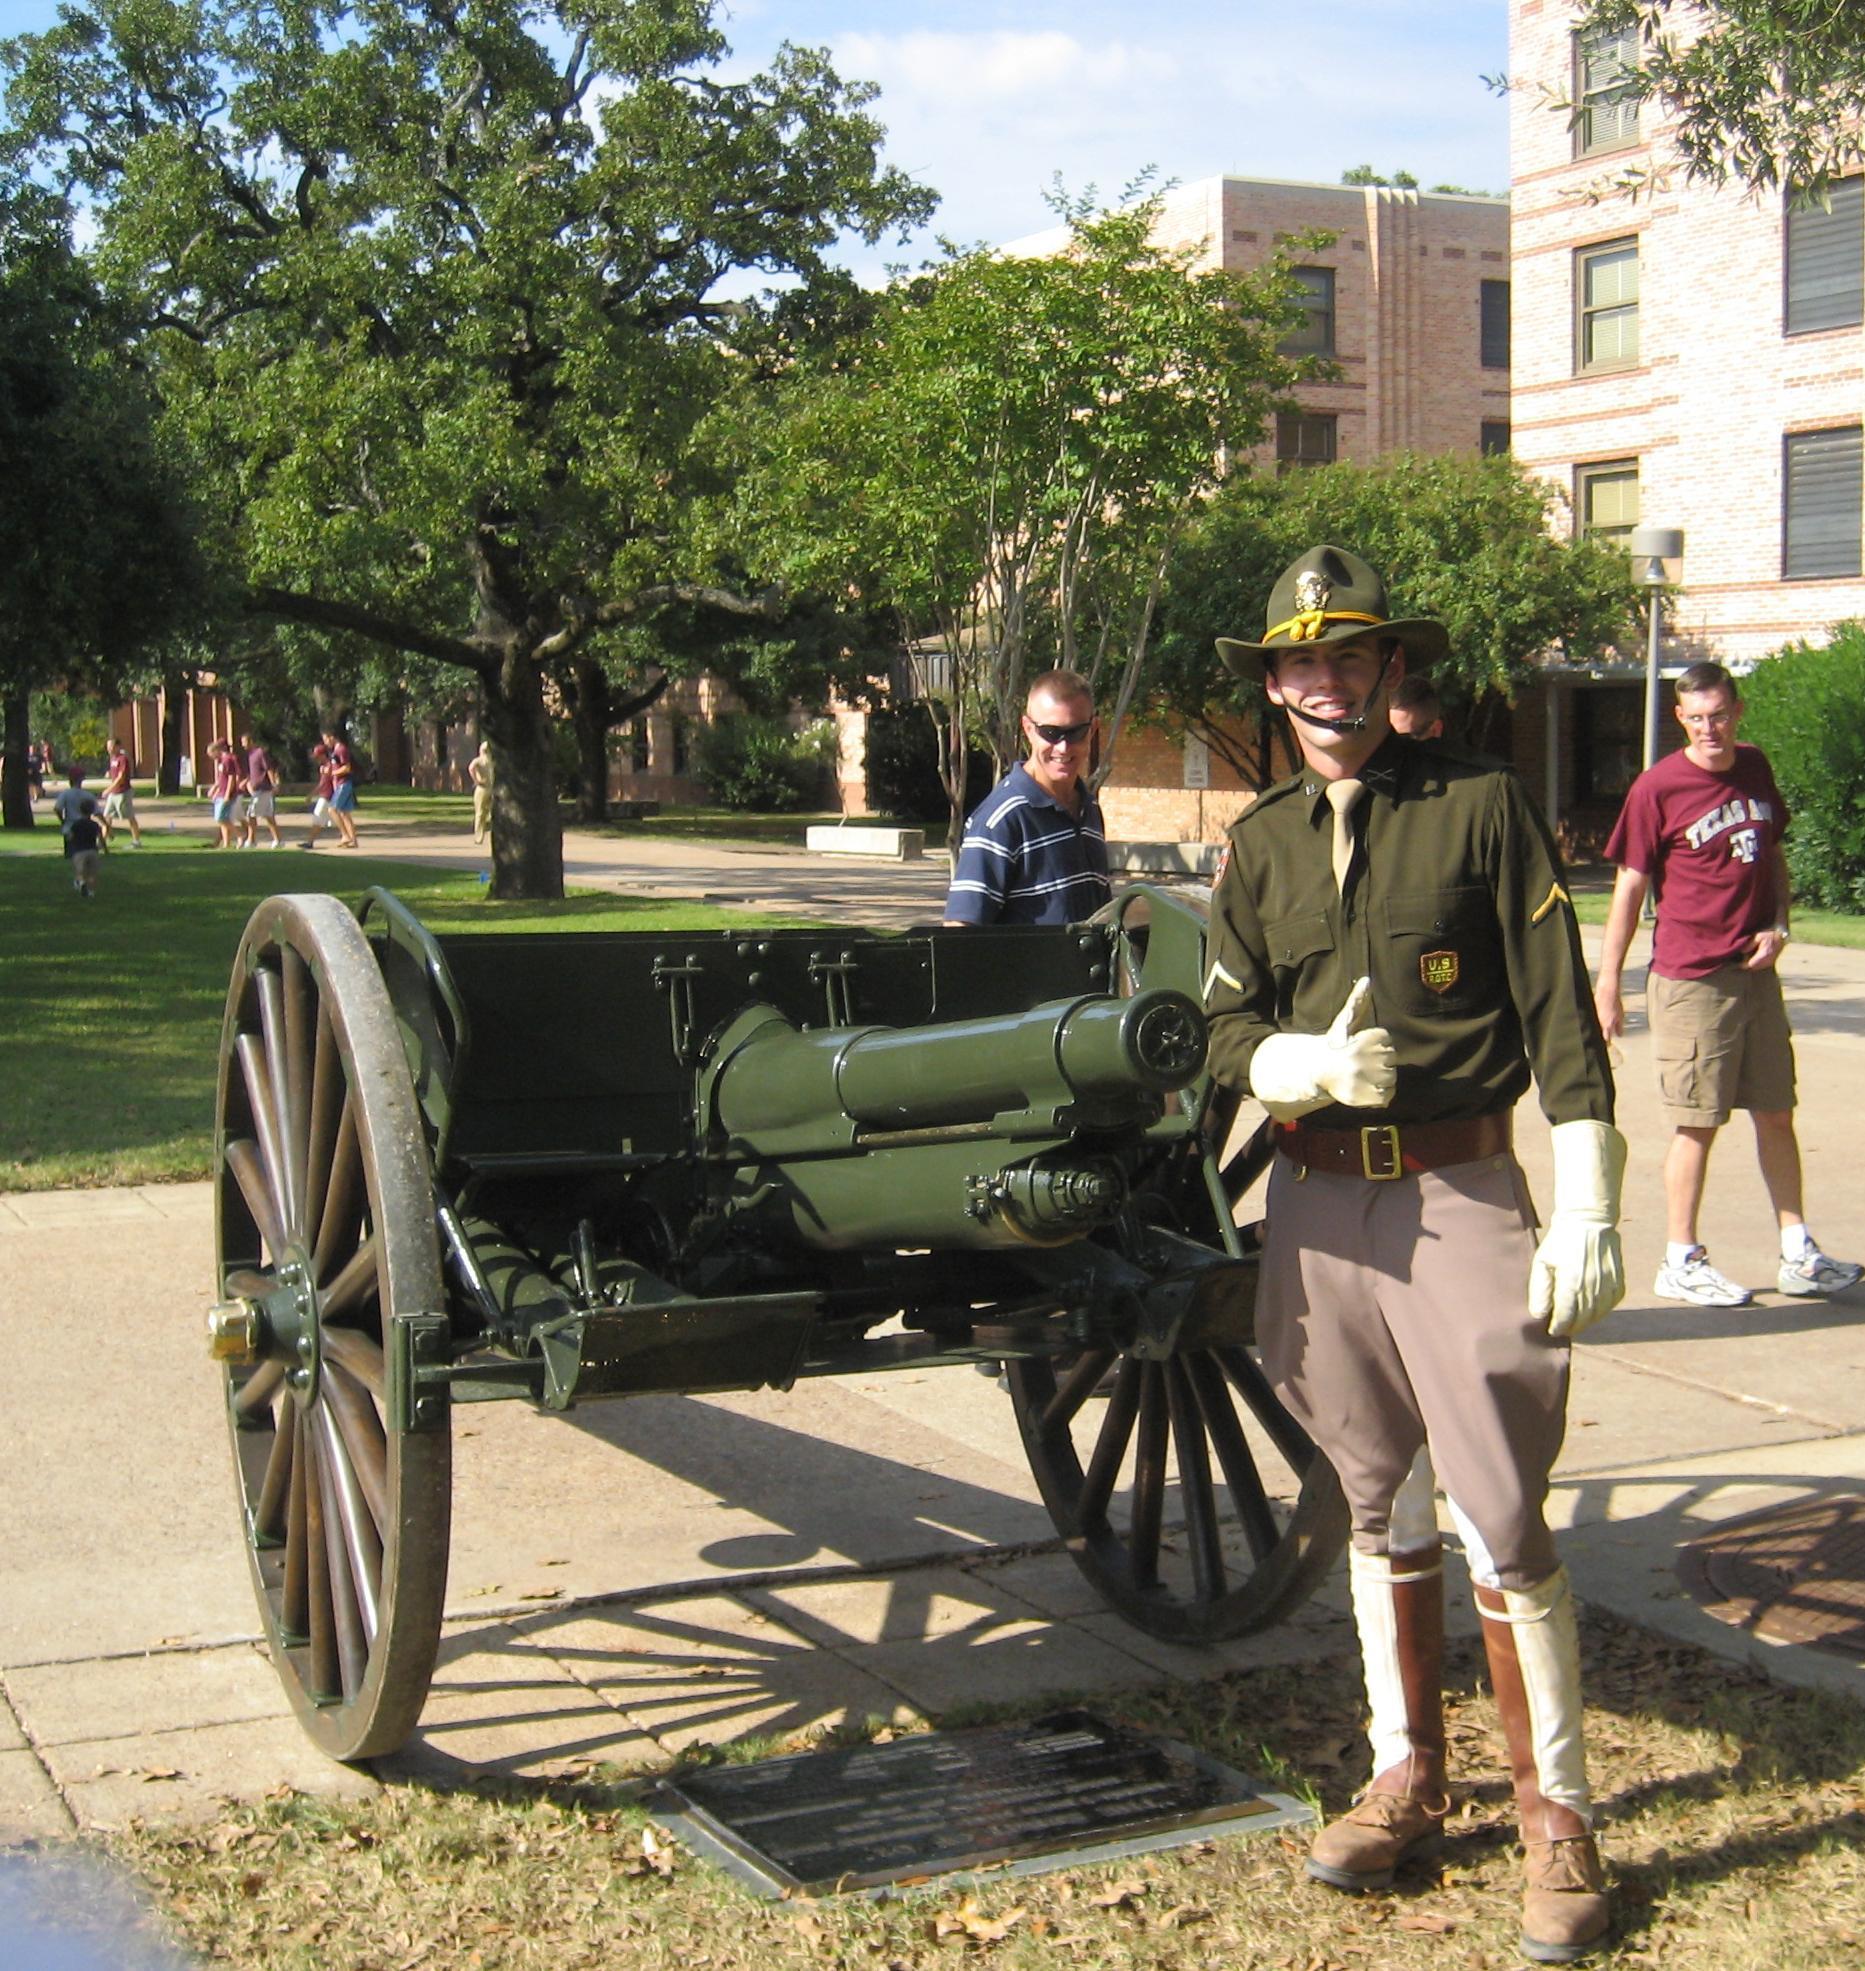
320,1160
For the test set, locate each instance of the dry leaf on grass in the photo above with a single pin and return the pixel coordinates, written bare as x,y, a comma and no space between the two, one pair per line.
1427,1921
970,1923
1121,1896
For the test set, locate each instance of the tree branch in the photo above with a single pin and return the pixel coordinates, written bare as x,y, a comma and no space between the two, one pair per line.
324,613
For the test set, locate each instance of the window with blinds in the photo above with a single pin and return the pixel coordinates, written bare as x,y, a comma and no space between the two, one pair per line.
1606,500
1605,67
1826,260
1823,500
1606,306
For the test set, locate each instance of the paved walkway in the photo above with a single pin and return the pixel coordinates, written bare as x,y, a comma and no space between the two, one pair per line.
645,1575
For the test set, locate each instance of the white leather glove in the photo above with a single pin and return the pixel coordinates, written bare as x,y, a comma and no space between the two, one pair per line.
1352,1063
1578,1272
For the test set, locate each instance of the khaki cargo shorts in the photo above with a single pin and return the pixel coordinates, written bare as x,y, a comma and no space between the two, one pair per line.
1722,1043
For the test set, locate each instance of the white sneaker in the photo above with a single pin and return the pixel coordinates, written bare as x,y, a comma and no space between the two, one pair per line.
1814,1273
1698,1282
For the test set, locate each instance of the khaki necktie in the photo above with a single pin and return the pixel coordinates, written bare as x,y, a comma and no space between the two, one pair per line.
1342,794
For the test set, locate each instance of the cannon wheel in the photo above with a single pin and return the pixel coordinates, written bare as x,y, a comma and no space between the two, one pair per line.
1223,1572
1233,1565
324,1203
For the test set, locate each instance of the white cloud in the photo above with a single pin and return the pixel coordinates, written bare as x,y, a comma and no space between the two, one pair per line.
952,70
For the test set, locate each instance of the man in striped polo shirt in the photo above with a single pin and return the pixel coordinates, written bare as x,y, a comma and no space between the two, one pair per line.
1034,851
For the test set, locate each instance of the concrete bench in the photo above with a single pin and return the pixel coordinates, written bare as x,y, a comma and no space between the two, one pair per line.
864,838
1164,858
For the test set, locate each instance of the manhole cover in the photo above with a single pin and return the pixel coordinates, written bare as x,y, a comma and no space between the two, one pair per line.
1792,1574
1068,1788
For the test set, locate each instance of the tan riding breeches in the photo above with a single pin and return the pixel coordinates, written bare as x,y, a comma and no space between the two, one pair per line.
1394,1314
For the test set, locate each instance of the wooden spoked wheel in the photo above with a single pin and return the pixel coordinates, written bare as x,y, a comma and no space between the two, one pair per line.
324,1210
1166,1487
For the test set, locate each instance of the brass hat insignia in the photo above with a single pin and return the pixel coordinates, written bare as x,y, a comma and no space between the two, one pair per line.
1312,589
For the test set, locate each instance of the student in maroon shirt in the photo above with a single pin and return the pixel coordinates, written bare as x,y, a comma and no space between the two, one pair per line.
228,781
261,794
1704,829
342,786
119,802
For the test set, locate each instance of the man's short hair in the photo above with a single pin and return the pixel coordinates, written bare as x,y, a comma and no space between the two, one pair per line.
1705,677
1419,696
1061,684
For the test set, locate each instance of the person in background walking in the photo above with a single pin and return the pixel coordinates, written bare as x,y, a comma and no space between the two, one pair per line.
320,797
261,794
225,793
1704,828
342,786
119,801
479,772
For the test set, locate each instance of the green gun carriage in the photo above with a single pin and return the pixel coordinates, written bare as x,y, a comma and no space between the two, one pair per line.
566,1167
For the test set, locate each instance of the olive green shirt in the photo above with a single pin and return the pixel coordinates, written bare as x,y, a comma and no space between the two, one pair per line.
1456,908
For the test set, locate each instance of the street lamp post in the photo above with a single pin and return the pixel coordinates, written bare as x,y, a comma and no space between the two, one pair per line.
1652,547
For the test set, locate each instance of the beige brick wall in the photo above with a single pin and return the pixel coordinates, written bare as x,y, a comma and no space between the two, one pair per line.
1717,384
1408,269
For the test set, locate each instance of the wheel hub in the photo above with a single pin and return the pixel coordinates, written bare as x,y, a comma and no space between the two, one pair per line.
280,1326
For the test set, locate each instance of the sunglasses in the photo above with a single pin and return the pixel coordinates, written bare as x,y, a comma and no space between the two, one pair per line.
1061,735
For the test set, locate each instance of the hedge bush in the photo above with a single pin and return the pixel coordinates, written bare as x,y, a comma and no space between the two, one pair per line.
903,768
1805,708
756,765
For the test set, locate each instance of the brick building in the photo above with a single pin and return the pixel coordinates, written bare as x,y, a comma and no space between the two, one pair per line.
1411,302
1684,357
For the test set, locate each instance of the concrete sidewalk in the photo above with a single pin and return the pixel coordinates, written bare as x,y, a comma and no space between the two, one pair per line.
642,1576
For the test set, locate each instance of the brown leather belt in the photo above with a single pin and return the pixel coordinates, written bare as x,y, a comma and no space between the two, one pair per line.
1394,1149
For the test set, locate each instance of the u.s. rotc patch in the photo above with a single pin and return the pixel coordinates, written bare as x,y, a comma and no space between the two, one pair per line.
1438,970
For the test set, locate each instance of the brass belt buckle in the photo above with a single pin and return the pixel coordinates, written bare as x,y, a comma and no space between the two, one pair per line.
1379,1138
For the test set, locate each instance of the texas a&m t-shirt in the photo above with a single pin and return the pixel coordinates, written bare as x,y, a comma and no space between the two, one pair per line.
1707,840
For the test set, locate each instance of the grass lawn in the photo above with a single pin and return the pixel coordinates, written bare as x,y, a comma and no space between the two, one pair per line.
1734,1814
110,1010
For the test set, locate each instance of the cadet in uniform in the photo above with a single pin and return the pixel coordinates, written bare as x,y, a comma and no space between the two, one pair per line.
1392,951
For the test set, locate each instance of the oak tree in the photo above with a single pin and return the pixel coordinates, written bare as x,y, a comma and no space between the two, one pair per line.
435,292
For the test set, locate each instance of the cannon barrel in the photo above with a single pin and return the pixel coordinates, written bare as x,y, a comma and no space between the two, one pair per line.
1006,1130
1094,1062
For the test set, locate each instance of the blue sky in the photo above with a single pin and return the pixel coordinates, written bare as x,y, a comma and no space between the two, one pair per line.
986,100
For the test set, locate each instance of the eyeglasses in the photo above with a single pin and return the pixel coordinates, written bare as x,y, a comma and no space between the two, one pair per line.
1061,735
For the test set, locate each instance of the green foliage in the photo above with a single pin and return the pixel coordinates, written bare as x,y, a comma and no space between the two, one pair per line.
762,766
1364,174
1803,711
1767,92
432,292
97,554
903,768
1457,537
75,726
1004,462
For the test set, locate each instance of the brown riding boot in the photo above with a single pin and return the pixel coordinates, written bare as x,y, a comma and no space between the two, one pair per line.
1398,1608
1534,1664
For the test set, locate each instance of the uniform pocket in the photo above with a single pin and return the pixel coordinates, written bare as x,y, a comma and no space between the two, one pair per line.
1291,942
1445,952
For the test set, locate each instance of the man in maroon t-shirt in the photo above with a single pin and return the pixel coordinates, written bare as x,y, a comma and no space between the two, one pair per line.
119,801
1705,826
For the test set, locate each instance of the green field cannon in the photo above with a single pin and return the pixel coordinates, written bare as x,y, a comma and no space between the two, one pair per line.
566,1167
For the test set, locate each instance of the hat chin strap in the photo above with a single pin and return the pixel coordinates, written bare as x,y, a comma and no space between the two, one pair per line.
1356,723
